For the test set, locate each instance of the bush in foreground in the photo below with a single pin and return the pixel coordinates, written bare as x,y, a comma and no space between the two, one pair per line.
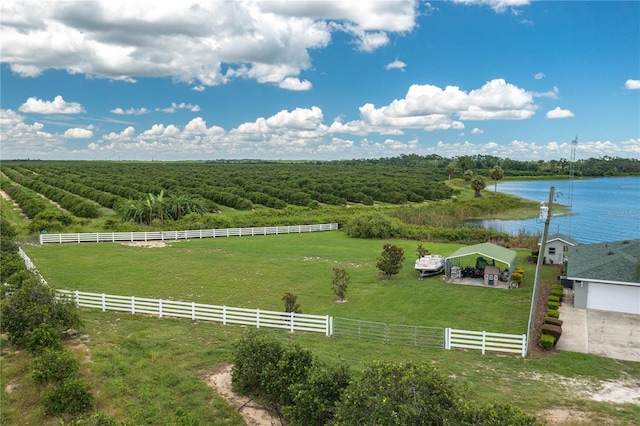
71,396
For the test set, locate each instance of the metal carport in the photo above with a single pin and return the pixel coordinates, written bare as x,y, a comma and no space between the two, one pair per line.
492,251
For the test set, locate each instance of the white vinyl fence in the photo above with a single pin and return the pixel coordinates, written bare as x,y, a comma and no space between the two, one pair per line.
485,341
198,311
112,237
435,337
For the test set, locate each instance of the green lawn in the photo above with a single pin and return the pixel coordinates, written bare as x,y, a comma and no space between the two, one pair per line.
148,370
254,272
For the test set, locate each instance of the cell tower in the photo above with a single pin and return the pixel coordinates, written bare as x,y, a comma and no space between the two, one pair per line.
574,145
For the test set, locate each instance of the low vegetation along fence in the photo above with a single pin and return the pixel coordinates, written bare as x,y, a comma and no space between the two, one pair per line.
97,237
434,337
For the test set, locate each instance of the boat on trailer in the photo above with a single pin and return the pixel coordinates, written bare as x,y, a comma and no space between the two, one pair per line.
431,264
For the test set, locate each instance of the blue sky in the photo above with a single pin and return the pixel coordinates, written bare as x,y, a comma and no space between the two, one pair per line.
123,80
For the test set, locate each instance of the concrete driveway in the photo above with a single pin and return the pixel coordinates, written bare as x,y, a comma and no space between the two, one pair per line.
608,334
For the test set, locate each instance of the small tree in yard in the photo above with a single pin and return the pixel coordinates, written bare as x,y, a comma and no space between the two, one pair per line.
390,261
423,251
340,282
291,304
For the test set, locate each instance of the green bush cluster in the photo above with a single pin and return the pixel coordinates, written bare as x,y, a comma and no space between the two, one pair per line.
558,291
552,305
547,341
34,318
553,313
29,201
305,392
287,379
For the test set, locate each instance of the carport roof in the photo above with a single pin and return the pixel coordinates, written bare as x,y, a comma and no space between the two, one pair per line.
489,250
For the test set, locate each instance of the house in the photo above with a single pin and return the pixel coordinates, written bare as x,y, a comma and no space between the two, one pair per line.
557,247
606,276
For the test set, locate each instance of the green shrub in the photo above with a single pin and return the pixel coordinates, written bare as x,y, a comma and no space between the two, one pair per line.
54,365
553,313
314,399
254,355
553,305
558,291
554,321
373,225
553,298
547,341
552,330
71,396
42,337
517,277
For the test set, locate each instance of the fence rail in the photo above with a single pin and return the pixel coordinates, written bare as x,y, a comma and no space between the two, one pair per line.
485,341
198,311
432,337
112,237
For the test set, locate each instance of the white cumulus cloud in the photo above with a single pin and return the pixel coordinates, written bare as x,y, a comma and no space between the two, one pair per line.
200,43
130,111
558,112
397,65
78,133
632,84
174,107
57,106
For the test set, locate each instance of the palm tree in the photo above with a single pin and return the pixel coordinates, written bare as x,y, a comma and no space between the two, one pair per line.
450,169
467,175
496,174
478,184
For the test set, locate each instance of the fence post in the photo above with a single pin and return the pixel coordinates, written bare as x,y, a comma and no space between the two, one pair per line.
77,298
193,311
103,303
415,336
524,346
224,315
447,338
257,318
160,308
133,304
484,341
292,319
386,333
330,326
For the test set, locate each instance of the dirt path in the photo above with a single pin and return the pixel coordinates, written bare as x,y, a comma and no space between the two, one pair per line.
251,413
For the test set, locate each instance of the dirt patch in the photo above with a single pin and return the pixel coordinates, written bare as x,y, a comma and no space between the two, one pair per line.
619,391
561,416
151,244
251,412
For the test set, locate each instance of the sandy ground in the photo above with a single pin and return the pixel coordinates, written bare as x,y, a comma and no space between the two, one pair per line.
150,244
251,413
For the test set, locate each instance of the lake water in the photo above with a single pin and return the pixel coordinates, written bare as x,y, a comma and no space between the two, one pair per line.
603,209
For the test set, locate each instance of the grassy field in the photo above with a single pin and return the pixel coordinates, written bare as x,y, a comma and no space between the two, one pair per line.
254,272
148,370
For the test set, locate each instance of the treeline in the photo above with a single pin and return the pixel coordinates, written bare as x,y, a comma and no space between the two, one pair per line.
481,164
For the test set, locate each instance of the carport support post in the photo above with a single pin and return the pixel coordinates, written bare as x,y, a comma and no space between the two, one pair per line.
536,280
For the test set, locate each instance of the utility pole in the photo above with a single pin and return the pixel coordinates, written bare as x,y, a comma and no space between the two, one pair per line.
536,280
